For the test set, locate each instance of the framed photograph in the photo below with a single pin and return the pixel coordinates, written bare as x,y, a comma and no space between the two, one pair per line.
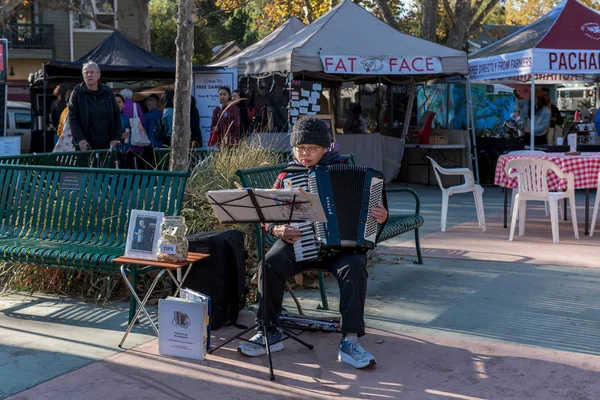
143,234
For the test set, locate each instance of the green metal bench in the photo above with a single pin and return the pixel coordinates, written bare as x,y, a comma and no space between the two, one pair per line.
83,159
264,177
78,217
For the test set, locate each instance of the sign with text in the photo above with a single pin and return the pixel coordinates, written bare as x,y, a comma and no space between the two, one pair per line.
182,328
400,65
554,78
70,181
10,145
206,93
567,61
512,64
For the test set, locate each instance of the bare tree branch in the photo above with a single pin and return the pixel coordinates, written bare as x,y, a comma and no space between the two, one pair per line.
477,21
387,14
221,11
448,9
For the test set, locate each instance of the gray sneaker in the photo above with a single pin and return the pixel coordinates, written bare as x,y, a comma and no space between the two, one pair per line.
354,354
256,345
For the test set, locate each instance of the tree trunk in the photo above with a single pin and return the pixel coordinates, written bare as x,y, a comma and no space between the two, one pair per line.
180,140
457,37
144,24
429,19
388,16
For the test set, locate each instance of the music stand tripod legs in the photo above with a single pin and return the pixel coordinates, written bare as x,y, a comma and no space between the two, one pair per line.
227,206
264,326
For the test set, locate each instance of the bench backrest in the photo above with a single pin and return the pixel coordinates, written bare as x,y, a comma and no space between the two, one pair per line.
264,177
82,205
83,159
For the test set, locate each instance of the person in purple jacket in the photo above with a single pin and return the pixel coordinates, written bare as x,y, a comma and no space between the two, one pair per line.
135,160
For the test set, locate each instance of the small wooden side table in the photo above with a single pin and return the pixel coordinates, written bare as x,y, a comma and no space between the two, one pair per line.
126,262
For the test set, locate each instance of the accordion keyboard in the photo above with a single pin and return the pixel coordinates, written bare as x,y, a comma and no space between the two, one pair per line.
307,248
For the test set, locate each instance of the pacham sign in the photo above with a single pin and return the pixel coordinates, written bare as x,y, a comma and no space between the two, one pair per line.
576,61
381,65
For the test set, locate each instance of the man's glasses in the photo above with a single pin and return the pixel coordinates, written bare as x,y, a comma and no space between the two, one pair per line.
308,149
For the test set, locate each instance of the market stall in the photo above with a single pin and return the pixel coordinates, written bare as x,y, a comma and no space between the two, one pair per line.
331,54
562,46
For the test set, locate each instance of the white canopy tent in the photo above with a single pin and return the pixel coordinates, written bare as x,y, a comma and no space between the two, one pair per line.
348,31
350,44
562,46
284,31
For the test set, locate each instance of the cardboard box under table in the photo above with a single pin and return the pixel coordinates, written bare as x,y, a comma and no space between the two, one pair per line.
147,265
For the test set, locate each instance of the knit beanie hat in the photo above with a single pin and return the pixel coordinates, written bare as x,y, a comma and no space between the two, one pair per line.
310,130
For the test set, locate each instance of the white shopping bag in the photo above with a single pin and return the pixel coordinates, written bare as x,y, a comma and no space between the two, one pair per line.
139,137
65,139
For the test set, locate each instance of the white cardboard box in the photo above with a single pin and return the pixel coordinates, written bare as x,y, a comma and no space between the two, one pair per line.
182,328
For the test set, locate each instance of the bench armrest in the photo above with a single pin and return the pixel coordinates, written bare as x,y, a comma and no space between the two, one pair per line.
411,192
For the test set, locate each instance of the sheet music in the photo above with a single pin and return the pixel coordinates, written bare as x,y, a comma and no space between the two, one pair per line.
235,205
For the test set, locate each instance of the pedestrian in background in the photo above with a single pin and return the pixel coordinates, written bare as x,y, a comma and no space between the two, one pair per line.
167,115
93,112
225,123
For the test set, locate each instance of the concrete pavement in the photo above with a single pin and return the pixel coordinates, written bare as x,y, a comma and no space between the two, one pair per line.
453,328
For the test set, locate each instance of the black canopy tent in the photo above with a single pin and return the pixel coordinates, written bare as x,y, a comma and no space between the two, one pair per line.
119,59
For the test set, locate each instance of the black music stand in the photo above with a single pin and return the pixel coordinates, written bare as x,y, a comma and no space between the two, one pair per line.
253,207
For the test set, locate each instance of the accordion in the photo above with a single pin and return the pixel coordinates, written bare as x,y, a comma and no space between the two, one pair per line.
347,193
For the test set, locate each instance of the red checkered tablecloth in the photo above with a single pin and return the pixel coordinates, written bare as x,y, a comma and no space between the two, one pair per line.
585,167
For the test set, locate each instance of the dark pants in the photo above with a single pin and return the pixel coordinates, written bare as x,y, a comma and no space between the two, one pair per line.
348,268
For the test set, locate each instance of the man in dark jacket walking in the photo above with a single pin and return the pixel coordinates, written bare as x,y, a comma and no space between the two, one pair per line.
93,112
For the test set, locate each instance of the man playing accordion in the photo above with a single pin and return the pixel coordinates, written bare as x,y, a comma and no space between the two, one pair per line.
312,146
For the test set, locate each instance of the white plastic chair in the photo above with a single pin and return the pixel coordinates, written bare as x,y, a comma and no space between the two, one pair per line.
596,204
468,186
533,185
514,175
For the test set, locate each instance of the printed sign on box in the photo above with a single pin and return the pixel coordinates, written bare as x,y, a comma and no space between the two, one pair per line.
181,328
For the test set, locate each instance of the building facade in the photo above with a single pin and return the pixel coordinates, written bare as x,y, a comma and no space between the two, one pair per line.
36,34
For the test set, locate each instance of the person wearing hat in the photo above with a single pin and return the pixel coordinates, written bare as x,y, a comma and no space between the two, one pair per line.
312,146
